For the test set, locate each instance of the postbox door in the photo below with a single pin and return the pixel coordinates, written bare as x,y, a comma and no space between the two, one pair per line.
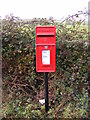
45,59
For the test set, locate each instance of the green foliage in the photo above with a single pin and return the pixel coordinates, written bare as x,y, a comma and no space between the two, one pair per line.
69,85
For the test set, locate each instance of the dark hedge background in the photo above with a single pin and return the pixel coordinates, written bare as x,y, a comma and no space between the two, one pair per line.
23,87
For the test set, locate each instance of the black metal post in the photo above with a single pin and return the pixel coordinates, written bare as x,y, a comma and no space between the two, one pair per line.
46,91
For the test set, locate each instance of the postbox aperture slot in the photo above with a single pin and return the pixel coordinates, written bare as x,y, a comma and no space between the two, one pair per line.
45,34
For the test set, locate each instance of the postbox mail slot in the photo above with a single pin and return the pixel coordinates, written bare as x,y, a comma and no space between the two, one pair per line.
45,34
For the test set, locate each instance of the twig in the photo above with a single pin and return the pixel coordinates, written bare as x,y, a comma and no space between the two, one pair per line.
73,16
64,101
19,84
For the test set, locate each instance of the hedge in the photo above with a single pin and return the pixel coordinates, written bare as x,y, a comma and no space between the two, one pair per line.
70,78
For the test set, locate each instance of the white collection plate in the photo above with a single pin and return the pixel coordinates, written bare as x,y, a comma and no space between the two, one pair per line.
46,57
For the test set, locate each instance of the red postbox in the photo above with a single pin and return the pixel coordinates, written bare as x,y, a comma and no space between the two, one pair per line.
45,45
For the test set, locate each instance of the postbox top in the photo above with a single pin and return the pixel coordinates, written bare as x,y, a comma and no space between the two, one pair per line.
45,26
45,29
45,34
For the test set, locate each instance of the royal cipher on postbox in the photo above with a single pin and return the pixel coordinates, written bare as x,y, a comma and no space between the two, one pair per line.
45,46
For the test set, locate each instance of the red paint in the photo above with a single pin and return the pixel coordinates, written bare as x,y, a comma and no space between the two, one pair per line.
45,39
